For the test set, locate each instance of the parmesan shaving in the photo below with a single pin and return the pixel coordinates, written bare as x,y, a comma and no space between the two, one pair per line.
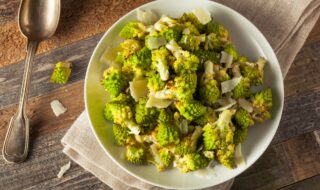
57,108
245,104
202,14
156,102
239,158
64,169
146,17
226,58
229,85
138,89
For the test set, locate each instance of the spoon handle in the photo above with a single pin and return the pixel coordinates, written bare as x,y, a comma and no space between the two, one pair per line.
16,143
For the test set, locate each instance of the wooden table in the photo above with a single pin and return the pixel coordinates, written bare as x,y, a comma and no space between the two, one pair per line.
291,162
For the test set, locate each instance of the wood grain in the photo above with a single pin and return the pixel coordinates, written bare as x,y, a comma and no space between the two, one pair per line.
307,184
283,164
79,20
42,167
40,113
304,72
11,76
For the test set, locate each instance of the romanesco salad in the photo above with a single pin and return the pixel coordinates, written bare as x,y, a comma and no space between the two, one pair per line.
181,94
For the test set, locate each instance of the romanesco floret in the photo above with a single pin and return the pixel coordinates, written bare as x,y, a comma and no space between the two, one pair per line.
185,86
190,17
133,29
262,104
191,109
165,116
222,75
119,109
141,59
173,33
189,28
219,137
253,71
136,154
191,42
121,135
144,115
189,144
191,162
242,120
218,29
204,56
208,117
209,92
213,43
130,46
154,82
242,90
114,81
61,73
160,62
229,49
167,133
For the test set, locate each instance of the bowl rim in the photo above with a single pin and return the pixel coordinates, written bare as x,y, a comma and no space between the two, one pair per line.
267,44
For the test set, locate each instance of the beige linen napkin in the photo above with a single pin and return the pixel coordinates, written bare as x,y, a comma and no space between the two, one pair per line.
285,23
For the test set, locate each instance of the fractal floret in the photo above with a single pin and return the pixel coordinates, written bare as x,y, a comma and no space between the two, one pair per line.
180,94
61,73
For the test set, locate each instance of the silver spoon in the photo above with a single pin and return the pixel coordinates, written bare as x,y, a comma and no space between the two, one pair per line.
38,20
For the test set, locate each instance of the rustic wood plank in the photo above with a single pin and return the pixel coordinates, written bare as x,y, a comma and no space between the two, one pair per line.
41,116
301,114
283,164
304,72
312,183
11,76
79,20
42,167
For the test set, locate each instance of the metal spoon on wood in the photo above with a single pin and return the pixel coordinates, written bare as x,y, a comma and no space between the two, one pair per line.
38,20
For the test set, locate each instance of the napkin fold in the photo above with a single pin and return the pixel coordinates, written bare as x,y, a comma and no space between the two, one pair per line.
286,25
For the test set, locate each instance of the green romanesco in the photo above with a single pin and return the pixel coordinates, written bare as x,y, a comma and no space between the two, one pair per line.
262,104
133,29
173,33
191,42
229,49
191,162
61,73
189,144
185,86
143,115
191,109
136,154
209,92
218,29
114,81
253,71
219,137
130,46
121,135
154,82
242,90
242,120
119,109
160,62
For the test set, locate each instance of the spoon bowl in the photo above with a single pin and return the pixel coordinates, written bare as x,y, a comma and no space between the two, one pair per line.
38,20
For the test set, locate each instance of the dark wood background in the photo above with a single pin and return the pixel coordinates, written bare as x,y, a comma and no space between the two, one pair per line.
291,162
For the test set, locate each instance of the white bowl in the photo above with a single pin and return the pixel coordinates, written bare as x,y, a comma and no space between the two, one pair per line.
247,39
